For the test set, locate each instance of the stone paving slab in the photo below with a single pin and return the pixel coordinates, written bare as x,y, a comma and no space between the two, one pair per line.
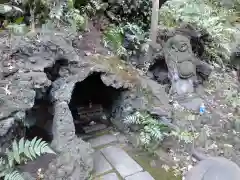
110,176
100,165
140,176
102,140
121,161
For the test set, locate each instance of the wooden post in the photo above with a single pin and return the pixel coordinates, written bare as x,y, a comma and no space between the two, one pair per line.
154,29
154,22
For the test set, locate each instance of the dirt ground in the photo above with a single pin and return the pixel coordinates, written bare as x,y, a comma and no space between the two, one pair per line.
217,131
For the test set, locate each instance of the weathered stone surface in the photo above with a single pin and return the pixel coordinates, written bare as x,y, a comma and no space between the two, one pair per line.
42,162
6,125
214,168
193,103
100,164
75,160
63,127
140,176
110,176
45,65
121,161
102,140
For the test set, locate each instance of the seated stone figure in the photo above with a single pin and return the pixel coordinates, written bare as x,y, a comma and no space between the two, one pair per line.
182,65
235,59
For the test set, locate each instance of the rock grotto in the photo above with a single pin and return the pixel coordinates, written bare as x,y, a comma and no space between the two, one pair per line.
46,83
57,91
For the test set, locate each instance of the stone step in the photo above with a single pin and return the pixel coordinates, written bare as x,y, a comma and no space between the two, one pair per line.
102,140
94,128
140,176
100,164
121,161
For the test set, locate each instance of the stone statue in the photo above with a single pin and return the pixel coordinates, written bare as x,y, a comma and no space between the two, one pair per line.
235,59
182,69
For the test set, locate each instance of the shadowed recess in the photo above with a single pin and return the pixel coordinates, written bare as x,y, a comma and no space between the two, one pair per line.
92,103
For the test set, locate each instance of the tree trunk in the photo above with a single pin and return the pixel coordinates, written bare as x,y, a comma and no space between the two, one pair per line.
154,28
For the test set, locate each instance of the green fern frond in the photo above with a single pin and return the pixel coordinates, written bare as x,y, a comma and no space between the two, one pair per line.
21,151
150,130
30,149
131,119
14,175
155,132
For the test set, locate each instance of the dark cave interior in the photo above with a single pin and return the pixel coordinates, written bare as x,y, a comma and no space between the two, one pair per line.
92,102
53,71
40,120
160,71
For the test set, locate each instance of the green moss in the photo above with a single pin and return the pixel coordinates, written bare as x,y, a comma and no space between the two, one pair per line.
158,173
118,67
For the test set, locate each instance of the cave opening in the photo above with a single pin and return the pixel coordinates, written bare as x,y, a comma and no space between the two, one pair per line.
39,120
92,104
159,71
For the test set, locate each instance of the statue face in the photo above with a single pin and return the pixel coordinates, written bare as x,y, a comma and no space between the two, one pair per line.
180,44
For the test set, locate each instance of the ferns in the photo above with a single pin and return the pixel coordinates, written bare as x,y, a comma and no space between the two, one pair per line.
19,153
14,175
29,149
151,129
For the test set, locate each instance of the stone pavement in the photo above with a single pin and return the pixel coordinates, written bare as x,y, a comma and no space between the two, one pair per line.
113,163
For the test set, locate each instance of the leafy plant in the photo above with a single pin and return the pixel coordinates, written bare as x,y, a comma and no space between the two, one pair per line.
5,8
213,19
150,129
90,7
137,11
134,37
113,38
66,14
125,39
74,17
19,153
17,27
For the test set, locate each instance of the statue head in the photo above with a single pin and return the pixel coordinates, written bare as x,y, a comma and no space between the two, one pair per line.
180,43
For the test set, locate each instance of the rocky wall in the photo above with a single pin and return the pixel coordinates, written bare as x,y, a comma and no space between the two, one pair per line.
28,67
